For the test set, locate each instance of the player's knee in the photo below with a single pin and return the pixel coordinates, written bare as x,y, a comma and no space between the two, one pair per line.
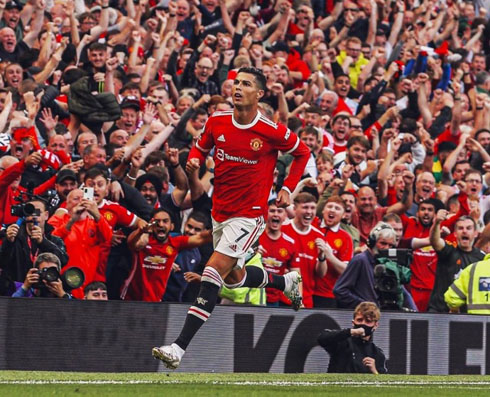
223,264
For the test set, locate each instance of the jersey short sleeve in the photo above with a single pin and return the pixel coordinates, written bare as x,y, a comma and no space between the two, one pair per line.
284,139
205,141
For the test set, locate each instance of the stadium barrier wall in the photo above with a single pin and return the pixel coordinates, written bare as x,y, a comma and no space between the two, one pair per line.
62,335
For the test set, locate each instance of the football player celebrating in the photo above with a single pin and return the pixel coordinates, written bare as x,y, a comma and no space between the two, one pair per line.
246,146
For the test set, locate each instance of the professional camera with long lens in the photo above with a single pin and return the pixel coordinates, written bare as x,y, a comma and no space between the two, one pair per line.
390,273
72,278
23,210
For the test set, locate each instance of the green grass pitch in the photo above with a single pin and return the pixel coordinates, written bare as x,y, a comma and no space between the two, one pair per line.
16,383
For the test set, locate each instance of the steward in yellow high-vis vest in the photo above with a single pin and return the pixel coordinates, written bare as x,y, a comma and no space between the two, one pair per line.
472,288
245,295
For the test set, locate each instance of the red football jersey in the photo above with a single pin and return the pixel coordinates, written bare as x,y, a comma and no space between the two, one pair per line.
151,269
343,249
308,256
116,214
424,261
245,157
280,255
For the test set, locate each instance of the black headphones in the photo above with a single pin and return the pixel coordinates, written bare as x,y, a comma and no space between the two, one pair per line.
371,242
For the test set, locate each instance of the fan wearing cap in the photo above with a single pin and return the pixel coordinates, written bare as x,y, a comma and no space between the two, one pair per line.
66,181
12,41
130,107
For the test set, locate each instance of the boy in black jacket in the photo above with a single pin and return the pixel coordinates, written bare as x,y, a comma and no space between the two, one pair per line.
352,349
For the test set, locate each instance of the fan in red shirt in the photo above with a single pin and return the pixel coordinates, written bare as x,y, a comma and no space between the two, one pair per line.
246,145
424,261
85,232
154,252
336,249
278,251
114,213
305,235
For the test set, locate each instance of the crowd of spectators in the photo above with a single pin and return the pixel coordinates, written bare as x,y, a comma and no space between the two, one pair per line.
392,99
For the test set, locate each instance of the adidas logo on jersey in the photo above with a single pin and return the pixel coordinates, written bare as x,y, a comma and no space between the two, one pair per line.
221,138
233,247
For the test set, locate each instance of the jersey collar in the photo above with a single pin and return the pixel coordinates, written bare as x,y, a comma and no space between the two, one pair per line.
245,126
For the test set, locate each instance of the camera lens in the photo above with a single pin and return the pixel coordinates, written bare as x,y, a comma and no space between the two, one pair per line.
29,209
74,277
51,274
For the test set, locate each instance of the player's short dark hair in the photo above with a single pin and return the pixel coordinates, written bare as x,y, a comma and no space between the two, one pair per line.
260,79
358,139
94,286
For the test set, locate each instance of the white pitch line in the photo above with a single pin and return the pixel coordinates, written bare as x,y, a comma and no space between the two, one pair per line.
387,384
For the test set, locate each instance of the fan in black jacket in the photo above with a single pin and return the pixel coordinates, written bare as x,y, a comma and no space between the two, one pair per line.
352,350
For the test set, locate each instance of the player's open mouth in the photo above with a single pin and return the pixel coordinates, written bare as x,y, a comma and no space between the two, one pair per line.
427,190
275,221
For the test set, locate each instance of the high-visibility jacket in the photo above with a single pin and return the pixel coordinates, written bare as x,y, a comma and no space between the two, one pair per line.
245,295
472,288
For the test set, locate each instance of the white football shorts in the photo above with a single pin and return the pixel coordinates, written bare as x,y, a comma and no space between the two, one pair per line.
235,236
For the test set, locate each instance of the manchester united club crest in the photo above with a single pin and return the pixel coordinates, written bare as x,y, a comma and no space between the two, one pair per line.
311,245
283,252
256,144
337,243
108,216
169,250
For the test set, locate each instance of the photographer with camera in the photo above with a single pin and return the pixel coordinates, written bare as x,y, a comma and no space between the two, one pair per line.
357,283
352,350
43,280
23,244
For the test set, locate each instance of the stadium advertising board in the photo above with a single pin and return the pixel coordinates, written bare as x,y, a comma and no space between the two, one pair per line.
59,335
